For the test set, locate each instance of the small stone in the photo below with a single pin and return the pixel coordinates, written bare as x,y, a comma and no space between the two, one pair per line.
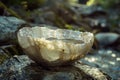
54,47
106,38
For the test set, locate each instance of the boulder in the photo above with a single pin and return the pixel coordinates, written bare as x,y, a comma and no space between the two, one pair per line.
8,27
22,68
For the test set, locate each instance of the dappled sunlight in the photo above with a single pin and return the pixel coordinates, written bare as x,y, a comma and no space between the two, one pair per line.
112,63
91,59
113,55
105,66
109,51
107,60
118,59
90,2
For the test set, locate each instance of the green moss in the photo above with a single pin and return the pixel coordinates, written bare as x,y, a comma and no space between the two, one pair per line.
68,26
3,58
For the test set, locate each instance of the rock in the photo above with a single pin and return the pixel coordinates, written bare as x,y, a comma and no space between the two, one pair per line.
8,26
106,38
54,47
13,68
106,60
86,11
60,76
22,68
93,72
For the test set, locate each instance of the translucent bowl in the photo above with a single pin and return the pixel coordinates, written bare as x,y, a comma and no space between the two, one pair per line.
54,47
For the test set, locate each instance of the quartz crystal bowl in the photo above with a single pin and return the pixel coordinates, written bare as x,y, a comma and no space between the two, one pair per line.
53,46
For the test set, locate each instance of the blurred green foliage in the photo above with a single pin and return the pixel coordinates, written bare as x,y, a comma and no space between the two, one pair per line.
3,58
9,10
104,3
24,3
18,2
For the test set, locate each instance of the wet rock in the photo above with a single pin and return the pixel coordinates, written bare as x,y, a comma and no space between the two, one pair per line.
12,68
22,68
8,26
54,47
60,76
90,11
93,72
106,38
107,60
